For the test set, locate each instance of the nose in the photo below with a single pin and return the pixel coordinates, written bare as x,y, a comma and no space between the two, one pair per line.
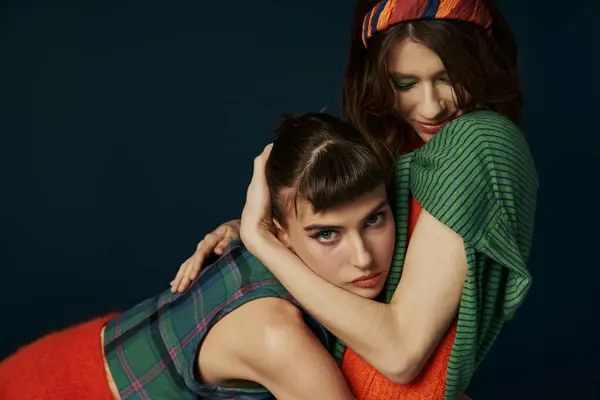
362,257
432,106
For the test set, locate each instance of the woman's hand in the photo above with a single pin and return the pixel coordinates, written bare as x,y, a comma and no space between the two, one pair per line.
216,242
257,219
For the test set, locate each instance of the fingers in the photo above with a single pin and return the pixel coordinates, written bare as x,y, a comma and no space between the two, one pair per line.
259,176
175,283
210,241
184,276
190,269
203,250
230,235
264,156
260,162
232,232
189,275
267,149
256,214
205,247
215,241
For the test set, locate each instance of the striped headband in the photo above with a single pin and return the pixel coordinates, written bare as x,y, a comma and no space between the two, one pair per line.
390,12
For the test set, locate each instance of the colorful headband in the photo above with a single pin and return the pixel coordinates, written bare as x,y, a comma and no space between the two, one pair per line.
390,12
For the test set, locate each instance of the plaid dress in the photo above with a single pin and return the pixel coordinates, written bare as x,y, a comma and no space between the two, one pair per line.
151,349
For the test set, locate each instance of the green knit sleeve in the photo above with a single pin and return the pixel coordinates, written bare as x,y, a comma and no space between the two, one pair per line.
477,176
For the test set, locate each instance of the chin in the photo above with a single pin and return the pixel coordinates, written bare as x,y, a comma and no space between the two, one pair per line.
426,137
367,293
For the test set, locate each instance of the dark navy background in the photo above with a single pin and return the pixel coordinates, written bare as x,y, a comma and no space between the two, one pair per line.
128,129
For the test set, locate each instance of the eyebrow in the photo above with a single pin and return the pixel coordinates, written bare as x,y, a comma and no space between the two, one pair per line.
398,75
317,227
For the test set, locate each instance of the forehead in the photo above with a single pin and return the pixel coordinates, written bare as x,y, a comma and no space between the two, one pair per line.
346,213
412,58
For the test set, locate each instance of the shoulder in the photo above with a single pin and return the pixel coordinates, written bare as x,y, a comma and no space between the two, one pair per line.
481,144
259,335
269,324
483,133
271,311
476,175
483,125
272,323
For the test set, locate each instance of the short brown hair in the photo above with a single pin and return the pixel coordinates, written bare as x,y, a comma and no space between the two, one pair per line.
320,158
480,62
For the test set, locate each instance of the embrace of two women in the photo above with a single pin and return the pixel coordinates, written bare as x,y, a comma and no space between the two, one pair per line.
376,257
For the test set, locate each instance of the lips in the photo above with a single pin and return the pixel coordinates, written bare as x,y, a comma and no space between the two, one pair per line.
430,128
364,278
368,281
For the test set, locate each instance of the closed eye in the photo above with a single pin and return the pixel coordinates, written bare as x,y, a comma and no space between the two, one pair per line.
403,85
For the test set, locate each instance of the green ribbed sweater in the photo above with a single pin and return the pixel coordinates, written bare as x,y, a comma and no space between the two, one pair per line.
476,176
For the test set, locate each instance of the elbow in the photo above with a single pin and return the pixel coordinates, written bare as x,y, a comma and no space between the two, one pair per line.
402,376
402,370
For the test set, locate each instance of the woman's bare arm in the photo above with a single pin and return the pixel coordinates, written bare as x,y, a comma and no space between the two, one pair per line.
266,341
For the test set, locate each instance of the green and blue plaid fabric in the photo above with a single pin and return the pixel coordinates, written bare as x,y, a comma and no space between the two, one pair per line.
151,349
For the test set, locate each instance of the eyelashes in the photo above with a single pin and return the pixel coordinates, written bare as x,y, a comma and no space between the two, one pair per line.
408,85
330,236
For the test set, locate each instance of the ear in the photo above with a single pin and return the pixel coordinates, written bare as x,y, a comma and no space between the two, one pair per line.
280,234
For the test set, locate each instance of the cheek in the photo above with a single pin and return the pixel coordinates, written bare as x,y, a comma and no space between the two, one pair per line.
405,103
448,94
384,245
324,261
